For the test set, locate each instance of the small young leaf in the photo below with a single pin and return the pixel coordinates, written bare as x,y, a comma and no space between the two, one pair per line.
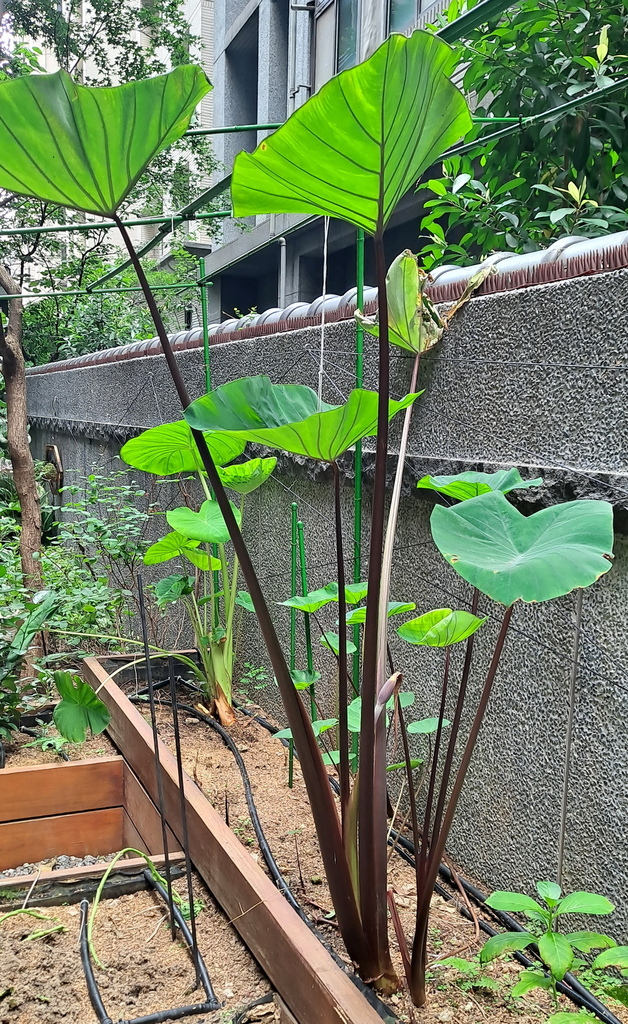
425,726
331,642
585,903
586,941
245,601
548,891
323,724
283,734
440,628
313,601
529,980
616,957
513,902
556,952
414,763
303,679
505,942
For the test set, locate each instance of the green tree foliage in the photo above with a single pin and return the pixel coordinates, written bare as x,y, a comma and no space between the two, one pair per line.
567,175
59,328
103,43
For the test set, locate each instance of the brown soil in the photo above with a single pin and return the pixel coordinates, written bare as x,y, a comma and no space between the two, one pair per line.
41,981
20,754
287,822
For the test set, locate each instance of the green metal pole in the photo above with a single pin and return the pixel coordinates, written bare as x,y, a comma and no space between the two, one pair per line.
293,623
357,495
306,617
183,286
109,225
205,322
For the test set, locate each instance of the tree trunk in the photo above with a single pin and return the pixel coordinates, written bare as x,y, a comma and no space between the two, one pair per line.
13,372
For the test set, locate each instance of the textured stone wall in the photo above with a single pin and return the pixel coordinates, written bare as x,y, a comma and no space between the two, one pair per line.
534,378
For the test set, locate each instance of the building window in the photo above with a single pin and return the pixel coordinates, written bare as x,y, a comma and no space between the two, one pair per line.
402,15
347,45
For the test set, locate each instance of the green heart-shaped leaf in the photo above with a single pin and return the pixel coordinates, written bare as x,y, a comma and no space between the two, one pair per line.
207,525
80,711
331,641
368,135
303,678
314,600
247,476
511,557
85,148
175,545
426,726
171,448
244,600
358,615
289,417
469,485
440,628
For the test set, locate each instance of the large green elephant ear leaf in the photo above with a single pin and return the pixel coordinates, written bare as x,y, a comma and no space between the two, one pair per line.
171,448
512,557
470,485
289,417
362,141
84,147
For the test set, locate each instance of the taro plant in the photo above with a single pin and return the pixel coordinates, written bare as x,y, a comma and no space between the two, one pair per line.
368,135
211,595
559,951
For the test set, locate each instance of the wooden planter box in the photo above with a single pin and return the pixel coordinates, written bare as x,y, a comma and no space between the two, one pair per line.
83,807
314,988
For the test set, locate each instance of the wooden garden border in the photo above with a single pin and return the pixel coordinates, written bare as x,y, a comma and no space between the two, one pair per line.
314,988
95,807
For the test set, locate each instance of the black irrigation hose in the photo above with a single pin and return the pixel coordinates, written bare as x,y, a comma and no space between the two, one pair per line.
570,986
241,1016
160,1016
381,1009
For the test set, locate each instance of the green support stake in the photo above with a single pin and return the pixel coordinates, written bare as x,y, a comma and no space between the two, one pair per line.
202,278
293,624
357,495
204,319
306,617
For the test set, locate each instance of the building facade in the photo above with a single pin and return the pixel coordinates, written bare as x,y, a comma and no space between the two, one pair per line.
270,56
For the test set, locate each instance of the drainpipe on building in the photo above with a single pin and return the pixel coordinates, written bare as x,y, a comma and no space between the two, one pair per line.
282,272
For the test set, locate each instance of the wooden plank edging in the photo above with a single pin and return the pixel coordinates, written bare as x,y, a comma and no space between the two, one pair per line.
315,989
43,790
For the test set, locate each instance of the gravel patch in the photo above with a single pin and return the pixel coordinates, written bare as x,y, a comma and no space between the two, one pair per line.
57,864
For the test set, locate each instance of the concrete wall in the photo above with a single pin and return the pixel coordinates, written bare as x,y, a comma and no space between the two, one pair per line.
534,378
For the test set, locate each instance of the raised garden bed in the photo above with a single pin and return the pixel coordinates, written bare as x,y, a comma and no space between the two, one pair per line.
314,988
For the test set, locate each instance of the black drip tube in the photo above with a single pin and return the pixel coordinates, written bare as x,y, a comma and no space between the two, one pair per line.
159,1017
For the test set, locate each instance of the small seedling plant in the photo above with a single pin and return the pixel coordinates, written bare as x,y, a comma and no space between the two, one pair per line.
198,537
559,951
